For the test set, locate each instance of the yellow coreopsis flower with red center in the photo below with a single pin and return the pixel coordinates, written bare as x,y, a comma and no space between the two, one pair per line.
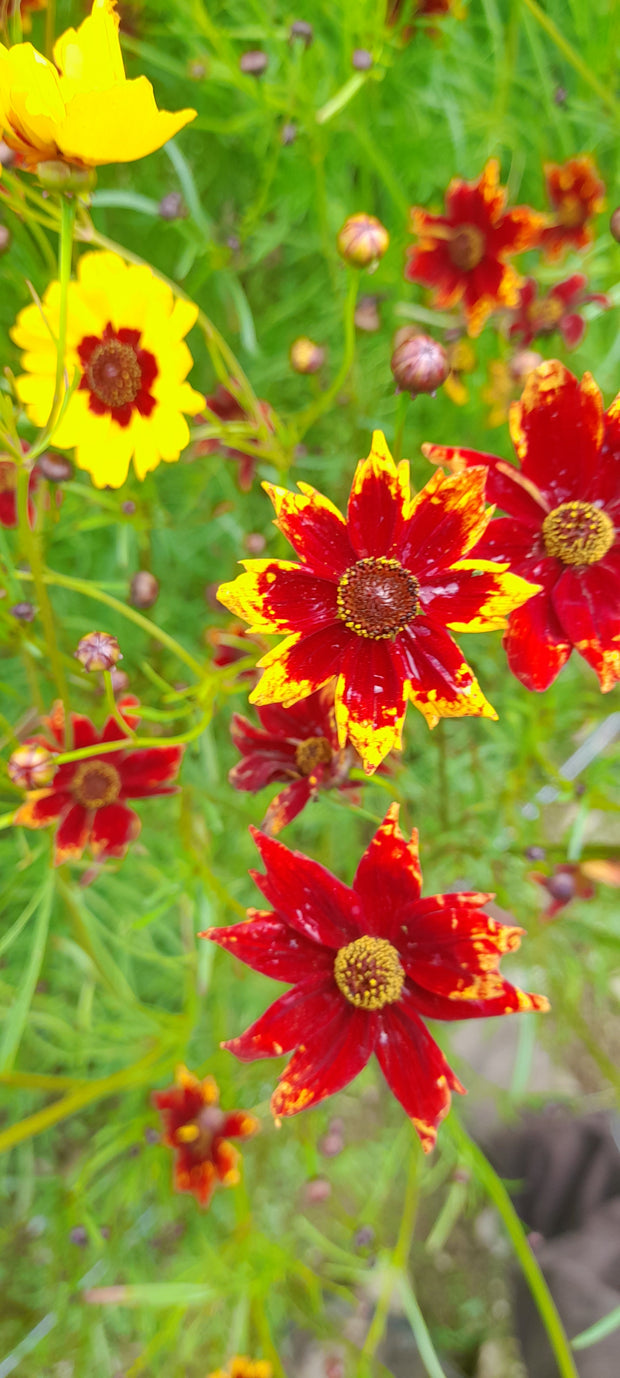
80,108
373,598
125,339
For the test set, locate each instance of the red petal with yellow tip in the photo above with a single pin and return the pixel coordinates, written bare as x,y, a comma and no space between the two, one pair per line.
315,529
587,605
557,429
339,1052
446,519
267,944
415,1069
378,496
389,876
286,1023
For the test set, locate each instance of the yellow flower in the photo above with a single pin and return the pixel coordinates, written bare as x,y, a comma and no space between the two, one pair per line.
86,112
241,1367
125,338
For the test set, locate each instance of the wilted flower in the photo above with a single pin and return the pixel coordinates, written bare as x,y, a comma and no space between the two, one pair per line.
567,882
372,600
87,799
562,528
419,364
557,310
362,241
226,408
80,109
98,651
125,339
198,1130
463,254
31,766
305,356
577,194
367,965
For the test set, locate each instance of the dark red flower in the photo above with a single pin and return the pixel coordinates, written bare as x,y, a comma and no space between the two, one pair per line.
563,524
576,193
298,744
8,492
226,408
463,254
575,881
198,1130
556,310
118,374
87,798
371,602
367,965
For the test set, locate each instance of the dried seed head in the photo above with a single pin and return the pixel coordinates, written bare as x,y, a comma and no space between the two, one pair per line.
305,356
419,364
144,589
254,63
362,241
98,651
31,766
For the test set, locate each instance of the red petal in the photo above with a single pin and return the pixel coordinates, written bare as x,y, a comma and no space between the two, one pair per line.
336,1056
433,663
114,827
371,700
507,540
557,430
502,999
448,517
239,1125
72,834
291,1020
315,529
535,643
43,807
502,484
569,288
127,706
388,877
8,508
572,329
378,494
434,268
271,946
311,717
288,804
265,758
143,772
414,1068
308,896
297,668
587,603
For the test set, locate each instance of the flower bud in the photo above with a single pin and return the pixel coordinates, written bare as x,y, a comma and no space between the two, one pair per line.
98,651
361,59
362,241
23,612
614,224
305,356
58,176
419,364
5,238
254,63
55,468
523,363
301,29
288,134
172,206
31,766
144,589
367,316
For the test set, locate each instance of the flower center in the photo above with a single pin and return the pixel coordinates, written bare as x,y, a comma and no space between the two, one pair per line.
199,1134
466,247
315,751
95,784
114,374
571,212
545,315
377,597
369,973
577,533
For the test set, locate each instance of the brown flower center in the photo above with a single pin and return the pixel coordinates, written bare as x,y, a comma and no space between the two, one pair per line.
369,973
95,784
571,212
199,1134
545,315
577,533
114,374
466,247
315,751
8,476
377,597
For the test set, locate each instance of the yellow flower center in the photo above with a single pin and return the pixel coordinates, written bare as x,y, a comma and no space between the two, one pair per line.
95,784
114,374
377,597
577,533
369,973
466,247
315,751
8,476
571,212
545,315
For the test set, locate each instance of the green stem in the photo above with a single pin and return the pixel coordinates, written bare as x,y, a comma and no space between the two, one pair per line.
112,706
572,57
402,407
532,1272
325,399
61,388
31,545
399,1257
426,1349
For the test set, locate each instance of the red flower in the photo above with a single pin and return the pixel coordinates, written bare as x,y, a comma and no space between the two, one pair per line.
462,254
576,193
87,797
198,1130
557,310
118,374
562,527
226,407
373,598
367,965
298,744
8,492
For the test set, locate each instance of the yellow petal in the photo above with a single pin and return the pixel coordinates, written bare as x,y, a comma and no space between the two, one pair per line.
470,703
510,592
89,58
372,743
117,125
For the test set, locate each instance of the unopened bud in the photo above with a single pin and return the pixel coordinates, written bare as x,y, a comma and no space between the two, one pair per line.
367,316
55,468
288,134
172,206
523,363
361,59
305,356
254,542
144,589
197,70
31,766
614,224
362,241
58,176
5,238
254,63
419,364
562,886
301,29
98,651
23,612
317,1191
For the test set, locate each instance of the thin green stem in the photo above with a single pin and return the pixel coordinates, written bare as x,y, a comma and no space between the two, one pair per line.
324,400
399,1256
112,707
402,407
604,94
496,1191
426,1348
30,542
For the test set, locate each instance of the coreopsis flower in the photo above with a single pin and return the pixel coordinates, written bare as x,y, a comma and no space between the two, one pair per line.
367,965
299,745
461,361
419,364
373,598
8,492
226,408
558,309
362,241
577,194
562,528
199,1131
125,340
462,255
506,379
86,801
242,1367
80,109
